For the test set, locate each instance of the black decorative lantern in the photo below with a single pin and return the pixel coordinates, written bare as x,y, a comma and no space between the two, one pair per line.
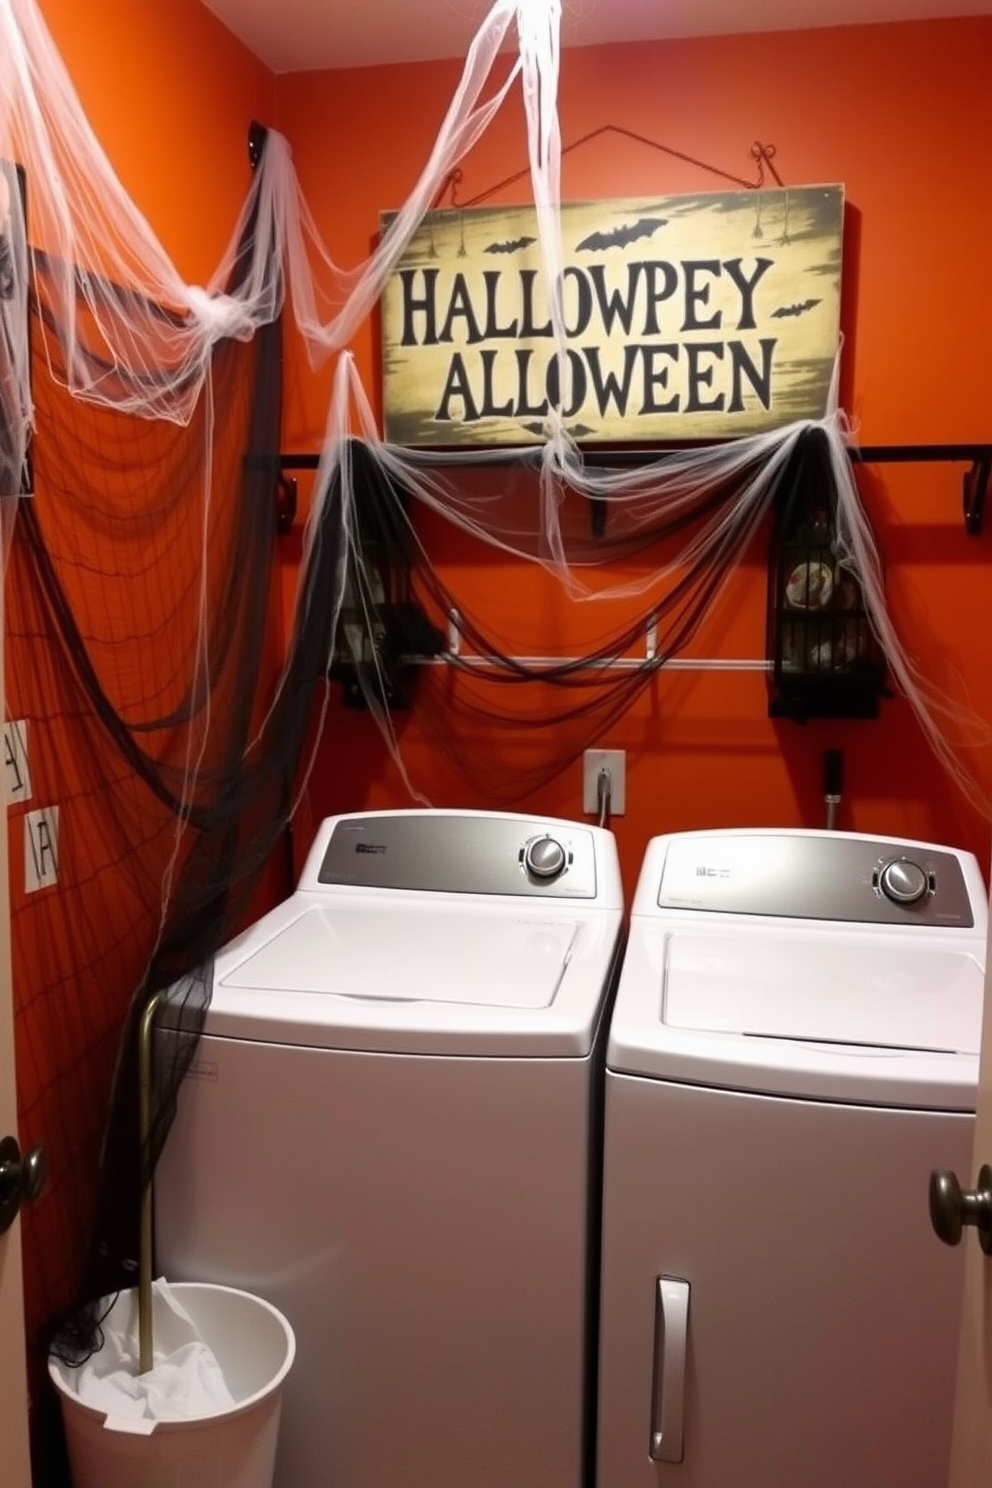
826,660
381,626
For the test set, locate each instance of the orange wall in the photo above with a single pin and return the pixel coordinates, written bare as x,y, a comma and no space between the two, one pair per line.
170,95
895,113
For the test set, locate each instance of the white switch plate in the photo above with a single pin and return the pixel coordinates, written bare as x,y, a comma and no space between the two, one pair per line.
614,761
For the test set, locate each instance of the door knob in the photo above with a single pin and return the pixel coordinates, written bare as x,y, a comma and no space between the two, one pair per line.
952,1207
21,1179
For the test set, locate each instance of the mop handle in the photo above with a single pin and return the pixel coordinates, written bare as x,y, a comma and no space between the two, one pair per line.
145,1338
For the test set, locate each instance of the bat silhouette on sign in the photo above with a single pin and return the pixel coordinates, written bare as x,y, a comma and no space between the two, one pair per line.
509,245
799,308
618,237
577,431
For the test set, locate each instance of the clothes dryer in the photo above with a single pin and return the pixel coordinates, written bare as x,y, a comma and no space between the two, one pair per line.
794,1048
392,1131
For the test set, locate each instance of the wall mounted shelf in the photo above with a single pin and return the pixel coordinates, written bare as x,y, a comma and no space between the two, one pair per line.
978,457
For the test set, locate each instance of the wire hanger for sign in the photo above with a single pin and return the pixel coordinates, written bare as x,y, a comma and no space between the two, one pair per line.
762,155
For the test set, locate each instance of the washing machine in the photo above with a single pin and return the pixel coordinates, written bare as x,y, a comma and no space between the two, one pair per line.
793,1049
392,1131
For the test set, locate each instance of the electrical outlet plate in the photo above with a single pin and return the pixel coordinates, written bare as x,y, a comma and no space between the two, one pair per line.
614,761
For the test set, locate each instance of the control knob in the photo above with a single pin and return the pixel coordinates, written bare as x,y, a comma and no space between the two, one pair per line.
903,881
545,858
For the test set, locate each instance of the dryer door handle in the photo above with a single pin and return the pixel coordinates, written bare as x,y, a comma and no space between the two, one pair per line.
671,1331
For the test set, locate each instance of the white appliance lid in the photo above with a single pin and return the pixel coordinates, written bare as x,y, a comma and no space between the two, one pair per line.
379,971
869,1016
513,960
822,989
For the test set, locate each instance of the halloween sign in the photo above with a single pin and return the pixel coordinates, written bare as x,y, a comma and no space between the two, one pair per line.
686,318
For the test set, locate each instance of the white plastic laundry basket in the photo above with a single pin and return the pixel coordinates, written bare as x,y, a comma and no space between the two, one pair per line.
254,1348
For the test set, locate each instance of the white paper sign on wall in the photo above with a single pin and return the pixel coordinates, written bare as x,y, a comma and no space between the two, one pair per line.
15,758
41,848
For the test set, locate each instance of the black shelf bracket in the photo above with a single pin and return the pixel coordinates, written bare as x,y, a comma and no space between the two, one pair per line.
978,457
976,485
285,504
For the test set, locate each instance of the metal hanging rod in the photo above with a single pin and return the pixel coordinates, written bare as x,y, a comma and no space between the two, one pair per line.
612,664
975,482
976,479
640,454
454,656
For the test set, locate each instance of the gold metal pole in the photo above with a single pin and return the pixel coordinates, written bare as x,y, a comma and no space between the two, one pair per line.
146,1348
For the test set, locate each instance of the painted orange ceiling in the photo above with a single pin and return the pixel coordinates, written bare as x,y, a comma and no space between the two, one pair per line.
309,35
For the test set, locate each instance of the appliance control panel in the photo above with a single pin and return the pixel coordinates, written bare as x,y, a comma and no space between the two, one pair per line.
819,876
471,854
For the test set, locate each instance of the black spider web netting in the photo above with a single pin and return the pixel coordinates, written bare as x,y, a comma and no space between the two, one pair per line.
142,667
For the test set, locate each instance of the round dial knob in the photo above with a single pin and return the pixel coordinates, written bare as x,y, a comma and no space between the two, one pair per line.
903,881
544,857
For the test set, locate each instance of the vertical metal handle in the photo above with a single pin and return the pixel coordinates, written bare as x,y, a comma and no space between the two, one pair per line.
671,1328
146,1340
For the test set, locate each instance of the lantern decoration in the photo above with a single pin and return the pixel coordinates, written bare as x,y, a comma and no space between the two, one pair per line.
382,628
825,659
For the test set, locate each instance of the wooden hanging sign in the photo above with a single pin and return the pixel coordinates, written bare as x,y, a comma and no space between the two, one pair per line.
686,318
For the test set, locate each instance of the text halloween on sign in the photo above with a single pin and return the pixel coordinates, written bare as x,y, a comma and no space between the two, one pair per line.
685,318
